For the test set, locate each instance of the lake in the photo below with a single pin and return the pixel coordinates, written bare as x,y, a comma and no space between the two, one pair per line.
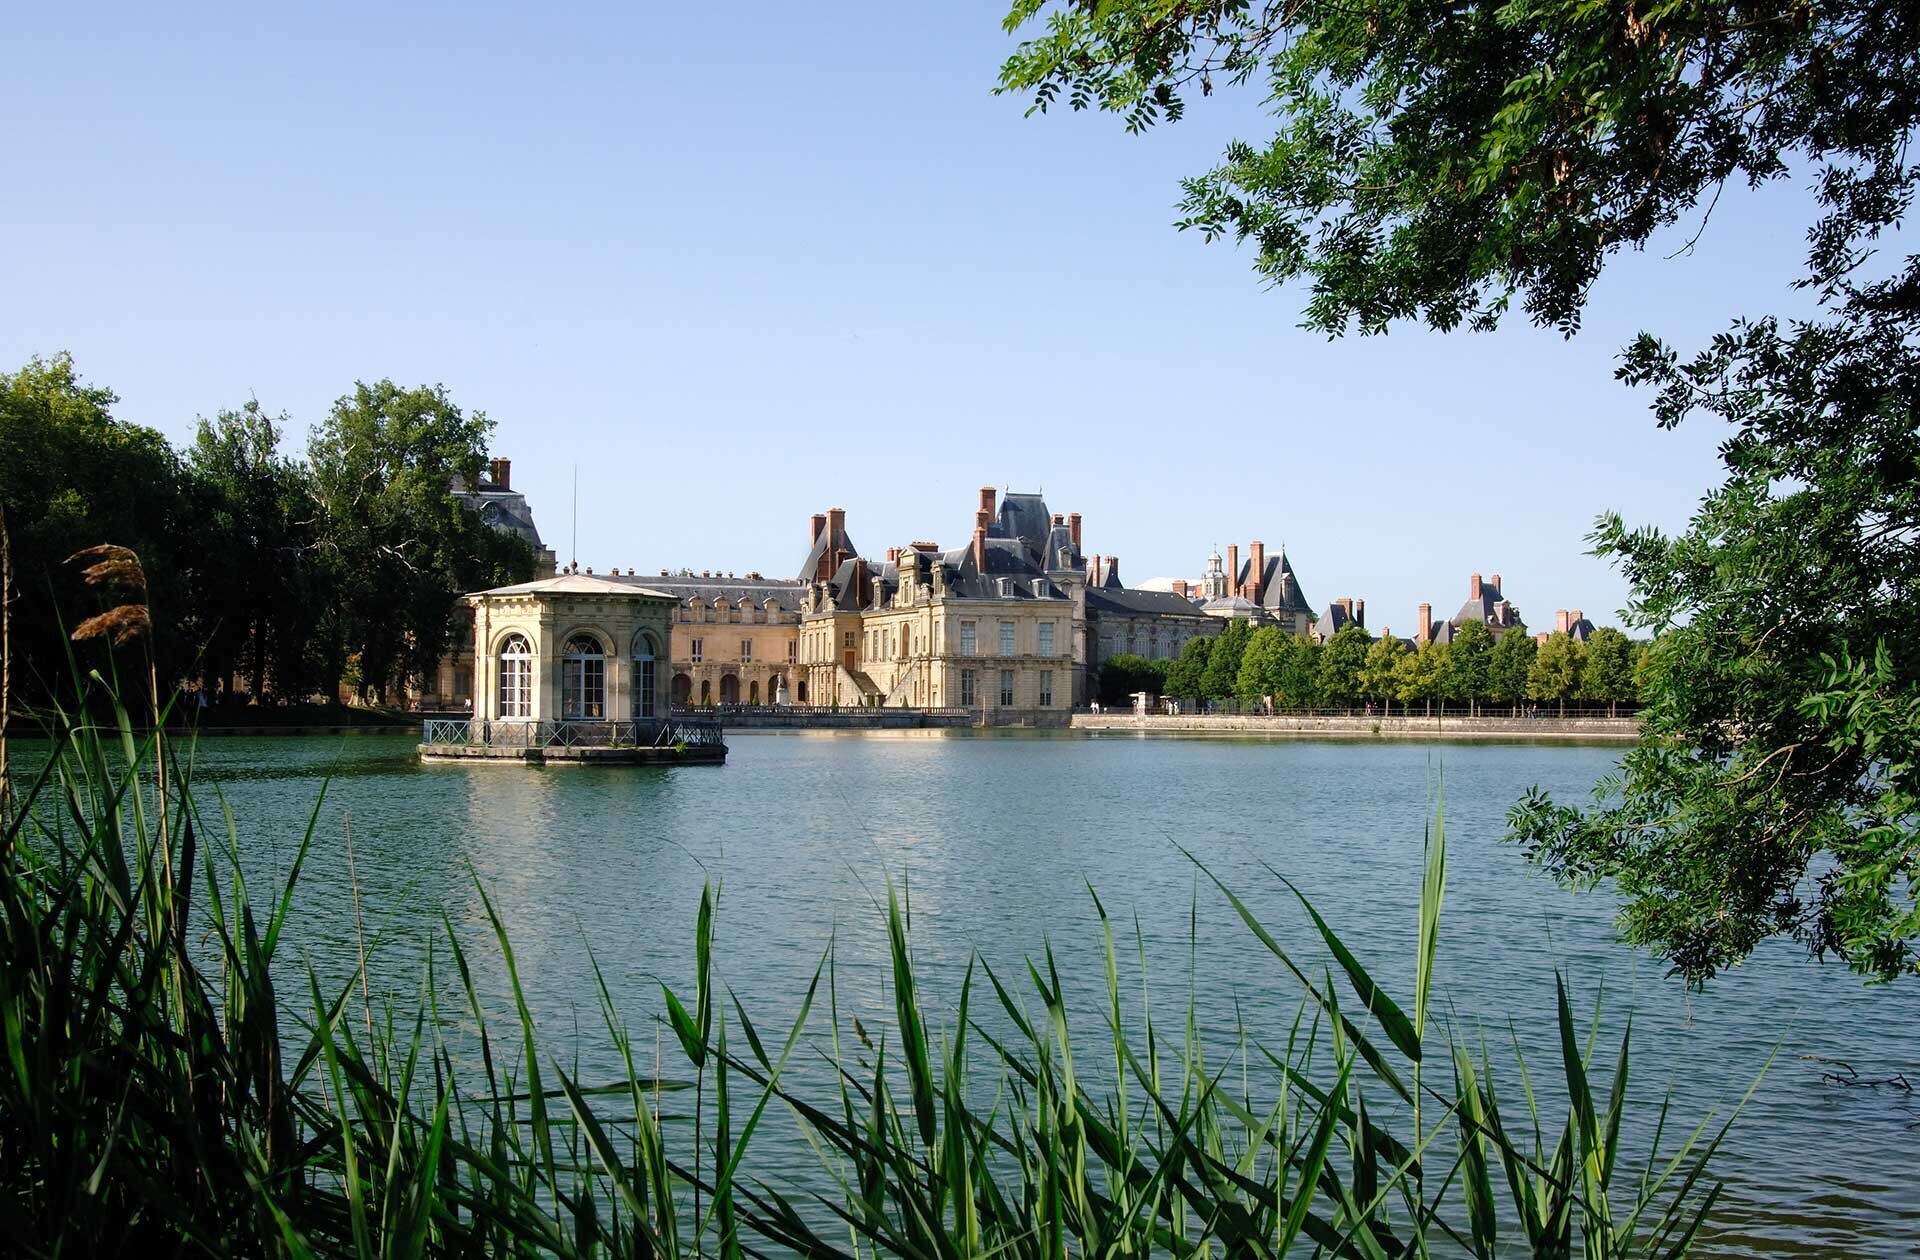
996,837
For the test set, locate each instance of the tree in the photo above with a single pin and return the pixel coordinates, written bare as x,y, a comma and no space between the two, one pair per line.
1469,660
1342,657
262,602
1380,676
1508,666
1435,162
1124,674
1420,677
1185,676
1260,664
1608,676
72,475
1555,673
1223,662
397,542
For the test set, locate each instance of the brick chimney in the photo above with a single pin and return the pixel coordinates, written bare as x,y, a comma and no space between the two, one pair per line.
1424,630
1360,611
1180,587
980,540
1560,621
1577,618
836,520
1473,587
500,473
986,500
1497,586
815,526
1233,568
1058,520
1257,571
1073,527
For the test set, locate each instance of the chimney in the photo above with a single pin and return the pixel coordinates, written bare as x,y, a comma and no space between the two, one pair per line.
1576,619
1180,587
1058,520
1257,570
893,555
1360,611
980,541
1093,570
500,473
1473,587
1424,630
1073,527
1112,573
836,520
986,499
1233,568
819,523
1560,621
1346,605
1496,585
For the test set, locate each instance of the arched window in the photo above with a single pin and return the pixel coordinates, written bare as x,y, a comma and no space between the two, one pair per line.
644,677
583,679
516,677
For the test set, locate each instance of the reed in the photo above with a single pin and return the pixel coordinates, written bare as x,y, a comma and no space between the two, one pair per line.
162,1094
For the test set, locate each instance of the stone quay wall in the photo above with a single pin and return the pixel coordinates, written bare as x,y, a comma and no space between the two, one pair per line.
1623,730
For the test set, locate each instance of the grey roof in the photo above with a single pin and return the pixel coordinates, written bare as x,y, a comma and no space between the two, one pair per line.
684,586
502,509
1138,602
1110,575
1334,620
1024,517
1485,608
1279,587
829,542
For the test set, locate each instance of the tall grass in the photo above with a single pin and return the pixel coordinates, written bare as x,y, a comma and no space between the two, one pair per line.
161,1094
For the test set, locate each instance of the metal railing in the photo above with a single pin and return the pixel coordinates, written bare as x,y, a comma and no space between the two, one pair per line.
572,733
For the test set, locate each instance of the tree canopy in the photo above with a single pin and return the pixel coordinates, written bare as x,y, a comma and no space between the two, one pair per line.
1436,162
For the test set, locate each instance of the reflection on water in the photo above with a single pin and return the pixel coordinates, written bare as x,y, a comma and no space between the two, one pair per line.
997,838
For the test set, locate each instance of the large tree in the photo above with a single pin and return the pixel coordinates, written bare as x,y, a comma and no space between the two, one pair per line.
1222,674
1469,660
1186,676
1337,677
398,544
1608,676
1555,673
264,604
72,475
1508,666
1380,675
1436,162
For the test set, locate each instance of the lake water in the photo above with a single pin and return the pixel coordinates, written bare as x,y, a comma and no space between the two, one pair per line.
998,836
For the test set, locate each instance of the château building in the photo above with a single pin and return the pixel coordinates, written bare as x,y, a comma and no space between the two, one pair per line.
1484,604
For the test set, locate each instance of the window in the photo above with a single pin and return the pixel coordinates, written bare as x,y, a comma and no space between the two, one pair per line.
1046,689
849,639
1006,638
966,687
583,679
793,651
516,677
1046,638
746,650
966,638
1006,689
697,650
645,680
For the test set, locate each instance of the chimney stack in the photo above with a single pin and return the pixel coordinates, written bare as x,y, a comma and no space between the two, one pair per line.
836,520
1233,568
1257,570
1424,630
1496,585
1058,520
1576,619
1473,587
500,473
818,524
980,541
1180,587
1360,611
1073,527
986,499
1560,621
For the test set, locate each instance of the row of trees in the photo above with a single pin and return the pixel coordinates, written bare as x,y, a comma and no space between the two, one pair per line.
1353,668
290,575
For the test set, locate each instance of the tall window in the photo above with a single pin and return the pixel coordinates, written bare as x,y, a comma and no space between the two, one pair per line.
1046,689
644,677
746,650
793,651
966,638
516,677
1006,638
966,687
583,679
1006,689
1046,638
696,650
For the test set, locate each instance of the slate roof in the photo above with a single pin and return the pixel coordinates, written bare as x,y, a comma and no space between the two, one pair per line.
502,509
1334,619
1141,602
829,541
1483,609
1024,517
684,586
1279,587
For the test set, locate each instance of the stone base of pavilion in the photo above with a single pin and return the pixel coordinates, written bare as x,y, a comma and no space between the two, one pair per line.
643,742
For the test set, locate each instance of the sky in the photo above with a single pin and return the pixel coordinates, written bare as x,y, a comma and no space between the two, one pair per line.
733,266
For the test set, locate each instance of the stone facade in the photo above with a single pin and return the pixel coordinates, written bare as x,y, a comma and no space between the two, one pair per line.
573,647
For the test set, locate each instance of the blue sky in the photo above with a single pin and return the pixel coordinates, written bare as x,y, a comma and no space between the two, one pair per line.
740,265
